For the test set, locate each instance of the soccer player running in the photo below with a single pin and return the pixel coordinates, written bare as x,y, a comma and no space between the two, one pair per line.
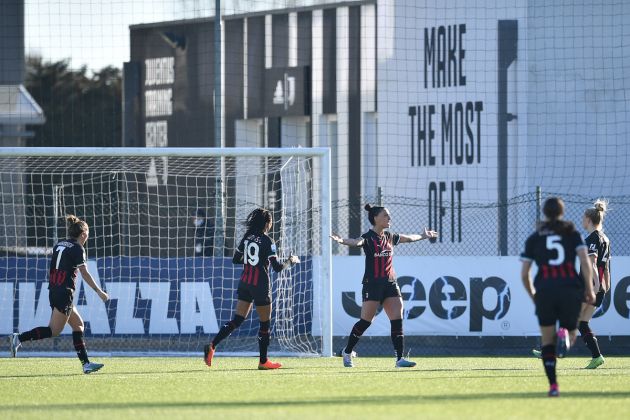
256,252
68,257
557,290
598,248
379,281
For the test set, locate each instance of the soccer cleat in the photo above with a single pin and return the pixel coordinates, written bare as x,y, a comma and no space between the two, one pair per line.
595,363
404,363
340,353
537,353
563,344
269,365
208,354
91,367
554,391
14,344
347,358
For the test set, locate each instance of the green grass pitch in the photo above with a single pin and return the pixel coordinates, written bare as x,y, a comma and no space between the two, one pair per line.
174,388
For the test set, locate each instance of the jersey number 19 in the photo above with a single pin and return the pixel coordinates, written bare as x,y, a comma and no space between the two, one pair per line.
251,253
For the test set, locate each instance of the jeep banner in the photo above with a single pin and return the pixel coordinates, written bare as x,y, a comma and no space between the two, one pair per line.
181,296
466,296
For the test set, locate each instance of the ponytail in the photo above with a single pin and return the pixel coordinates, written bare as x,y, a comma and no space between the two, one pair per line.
76,226
596,213
373,211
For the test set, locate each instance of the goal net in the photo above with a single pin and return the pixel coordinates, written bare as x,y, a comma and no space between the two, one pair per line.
164,224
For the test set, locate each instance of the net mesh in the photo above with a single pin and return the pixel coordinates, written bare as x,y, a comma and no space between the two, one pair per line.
461,116
162,239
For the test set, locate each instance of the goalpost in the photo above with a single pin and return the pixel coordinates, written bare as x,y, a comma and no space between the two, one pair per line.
171,281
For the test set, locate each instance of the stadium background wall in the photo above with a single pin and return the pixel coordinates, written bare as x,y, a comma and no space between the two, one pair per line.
365,93
373,93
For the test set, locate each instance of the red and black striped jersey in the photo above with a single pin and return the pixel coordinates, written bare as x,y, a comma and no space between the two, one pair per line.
555,256
255,252
379,255
598,244
67,256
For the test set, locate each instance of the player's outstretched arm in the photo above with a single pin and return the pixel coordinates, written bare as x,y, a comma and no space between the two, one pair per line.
427,234
90,281
347,241
289,262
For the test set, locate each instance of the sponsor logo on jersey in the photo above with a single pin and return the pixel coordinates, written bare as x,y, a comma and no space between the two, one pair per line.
385,253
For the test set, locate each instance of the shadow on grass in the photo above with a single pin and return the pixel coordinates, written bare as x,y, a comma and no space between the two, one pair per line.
288,370
385,400
100,373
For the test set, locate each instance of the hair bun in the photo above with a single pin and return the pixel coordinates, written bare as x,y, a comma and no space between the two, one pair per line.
601,205
367,207
71,218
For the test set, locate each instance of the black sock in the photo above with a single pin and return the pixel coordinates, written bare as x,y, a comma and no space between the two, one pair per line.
589,339
398,338
79,346
263,340
549,362
357,331
38,333
227,329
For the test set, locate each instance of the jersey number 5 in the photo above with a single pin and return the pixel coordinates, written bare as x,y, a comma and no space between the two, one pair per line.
553,242
251,253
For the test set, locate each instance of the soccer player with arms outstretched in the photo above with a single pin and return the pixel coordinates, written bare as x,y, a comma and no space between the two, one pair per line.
68,257
256,252
379,280
557,290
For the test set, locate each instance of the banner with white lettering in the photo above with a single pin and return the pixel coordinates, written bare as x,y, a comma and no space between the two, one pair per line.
438,109
148,296
441,295
465,296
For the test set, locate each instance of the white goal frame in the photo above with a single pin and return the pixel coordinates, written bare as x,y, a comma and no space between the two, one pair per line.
324,171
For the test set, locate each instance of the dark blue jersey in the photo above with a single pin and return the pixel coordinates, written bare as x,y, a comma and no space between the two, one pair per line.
379,255
555,256
67,257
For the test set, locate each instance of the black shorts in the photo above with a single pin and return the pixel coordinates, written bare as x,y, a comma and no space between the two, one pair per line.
61,299
260,294
561,304
379,290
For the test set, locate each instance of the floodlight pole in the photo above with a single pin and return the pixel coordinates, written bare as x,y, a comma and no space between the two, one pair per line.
219,233
217,74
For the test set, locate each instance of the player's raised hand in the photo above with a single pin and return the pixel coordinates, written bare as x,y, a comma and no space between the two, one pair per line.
294,259
429,234
335,237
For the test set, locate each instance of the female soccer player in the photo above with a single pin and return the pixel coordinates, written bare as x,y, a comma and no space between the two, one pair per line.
598,246
255,251
379,281
68,256
558,289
